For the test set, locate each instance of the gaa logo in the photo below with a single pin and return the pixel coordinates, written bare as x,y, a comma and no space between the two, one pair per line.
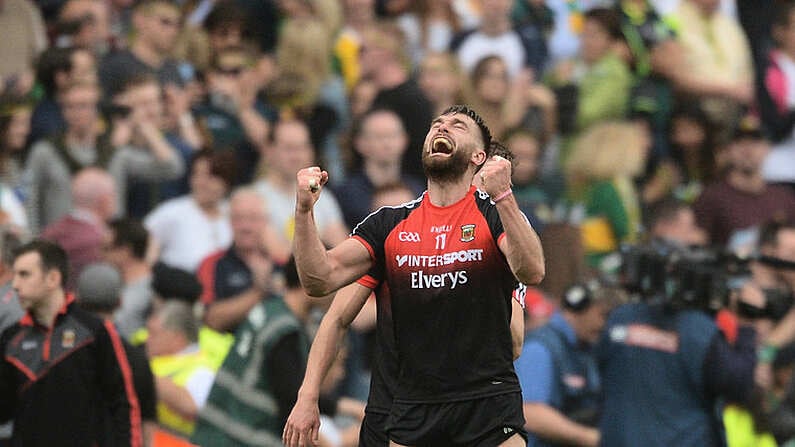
408,236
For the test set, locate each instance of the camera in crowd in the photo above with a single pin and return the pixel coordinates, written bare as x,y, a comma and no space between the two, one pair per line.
693,278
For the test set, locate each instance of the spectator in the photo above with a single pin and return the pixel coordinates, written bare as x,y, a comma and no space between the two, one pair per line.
169,284
23,21
98,291
10,310
599,76
495,35
82,232
674,222
429,28
55,69
507,102
663,370
87,366
716,54
441,80
140,124
288,151
381,143
155,24
534,197
84,24
558,371
266,364
14,128
306,87
189,228
359,16
126,248
742,200
384,60
776,107
232,113
238,277
655,58
693,158
183,373
53,161
600,173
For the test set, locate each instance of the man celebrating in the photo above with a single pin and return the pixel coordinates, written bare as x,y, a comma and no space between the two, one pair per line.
64,375
450,261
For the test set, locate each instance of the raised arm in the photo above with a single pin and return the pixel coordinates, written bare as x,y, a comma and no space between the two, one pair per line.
304,421
521,244
322,271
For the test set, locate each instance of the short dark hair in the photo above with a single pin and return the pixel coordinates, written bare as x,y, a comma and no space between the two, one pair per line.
485,133
608,19
782,11
499,149
51,61
223,164
130,233
52,256
225,15
666,211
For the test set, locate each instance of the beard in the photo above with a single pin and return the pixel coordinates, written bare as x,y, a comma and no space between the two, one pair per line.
446,170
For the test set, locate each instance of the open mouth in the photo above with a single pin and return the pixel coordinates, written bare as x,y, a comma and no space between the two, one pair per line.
441,145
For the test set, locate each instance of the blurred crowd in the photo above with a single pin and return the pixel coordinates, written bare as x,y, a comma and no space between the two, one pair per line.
163,137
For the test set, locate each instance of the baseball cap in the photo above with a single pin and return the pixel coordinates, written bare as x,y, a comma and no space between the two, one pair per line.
99,287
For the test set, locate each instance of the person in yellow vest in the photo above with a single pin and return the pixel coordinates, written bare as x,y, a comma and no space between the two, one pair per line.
183,372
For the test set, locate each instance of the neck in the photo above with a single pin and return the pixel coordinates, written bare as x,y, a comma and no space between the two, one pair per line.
135,270
382,173
148,55
208,208
45,314
495,27
446,194
753,183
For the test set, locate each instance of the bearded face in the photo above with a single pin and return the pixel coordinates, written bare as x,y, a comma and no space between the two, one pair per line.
448,149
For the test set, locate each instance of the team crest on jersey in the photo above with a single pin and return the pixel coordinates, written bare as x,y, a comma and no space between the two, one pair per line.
467,232
68,339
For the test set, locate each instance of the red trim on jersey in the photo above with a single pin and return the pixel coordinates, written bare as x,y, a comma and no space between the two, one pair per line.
499,239
129,388
366,245
206,276
367,281
21,366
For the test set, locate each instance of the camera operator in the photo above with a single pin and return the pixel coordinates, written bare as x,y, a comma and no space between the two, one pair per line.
665,365
557,369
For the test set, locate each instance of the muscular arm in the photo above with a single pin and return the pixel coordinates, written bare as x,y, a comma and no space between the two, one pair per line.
322,272
517,328
548,423
521,244
303,424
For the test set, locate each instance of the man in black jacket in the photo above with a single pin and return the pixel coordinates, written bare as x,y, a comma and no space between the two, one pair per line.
64,372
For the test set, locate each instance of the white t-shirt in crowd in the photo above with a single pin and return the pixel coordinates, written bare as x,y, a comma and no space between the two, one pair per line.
281,209
185,234
477,46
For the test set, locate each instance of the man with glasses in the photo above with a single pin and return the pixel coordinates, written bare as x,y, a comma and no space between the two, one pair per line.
232,113
156,25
